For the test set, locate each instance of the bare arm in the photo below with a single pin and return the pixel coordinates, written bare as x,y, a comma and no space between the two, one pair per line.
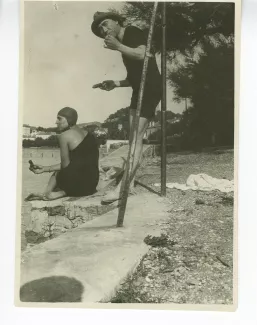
65,157
64,148
111,84
52,168
122,83
137,53
38,169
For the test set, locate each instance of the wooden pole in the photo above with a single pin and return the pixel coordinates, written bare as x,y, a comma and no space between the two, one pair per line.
130,160
163,103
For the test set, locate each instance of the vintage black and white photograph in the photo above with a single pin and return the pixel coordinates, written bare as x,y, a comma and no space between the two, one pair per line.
128,154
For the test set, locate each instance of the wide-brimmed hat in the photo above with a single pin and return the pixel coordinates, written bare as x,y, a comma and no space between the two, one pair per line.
100,16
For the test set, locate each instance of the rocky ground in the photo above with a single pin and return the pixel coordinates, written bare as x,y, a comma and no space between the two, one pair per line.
192,262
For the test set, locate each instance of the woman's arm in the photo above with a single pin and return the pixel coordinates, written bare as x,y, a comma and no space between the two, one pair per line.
65,156
52,168
64,148
38,169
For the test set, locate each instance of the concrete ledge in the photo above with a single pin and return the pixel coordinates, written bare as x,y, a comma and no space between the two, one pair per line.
50,218
97,255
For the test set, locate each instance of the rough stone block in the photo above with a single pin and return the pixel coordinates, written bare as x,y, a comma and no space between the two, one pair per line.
98,255
47,204
60,222
51,218
39,220
56,211
53,208
86,208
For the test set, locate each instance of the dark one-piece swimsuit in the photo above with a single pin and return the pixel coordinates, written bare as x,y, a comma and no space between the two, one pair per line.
81,176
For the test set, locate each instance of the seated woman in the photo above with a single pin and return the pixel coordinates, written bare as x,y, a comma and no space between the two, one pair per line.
78,173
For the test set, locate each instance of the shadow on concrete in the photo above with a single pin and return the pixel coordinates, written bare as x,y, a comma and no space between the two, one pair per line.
52,289
147,187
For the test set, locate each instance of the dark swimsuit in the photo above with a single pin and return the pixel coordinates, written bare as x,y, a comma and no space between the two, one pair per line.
134,37
81,176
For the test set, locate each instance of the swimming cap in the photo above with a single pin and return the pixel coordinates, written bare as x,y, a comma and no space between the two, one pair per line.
70,114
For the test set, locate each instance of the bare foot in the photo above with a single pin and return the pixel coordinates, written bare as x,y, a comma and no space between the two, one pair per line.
34,197
111,197
115,195
53,195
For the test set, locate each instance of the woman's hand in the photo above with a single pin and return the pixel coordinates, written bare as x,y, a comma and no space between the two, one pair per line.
112,43
37,169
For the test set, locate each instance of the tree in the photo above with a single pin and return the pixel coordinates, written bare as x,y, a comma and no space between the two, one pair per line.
200,50
208,82
188,24
39,142
121,117
91,127
169,116
42,129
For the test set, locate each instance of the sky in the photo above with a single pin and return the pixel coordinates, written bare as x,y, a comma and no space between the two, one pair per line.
63,59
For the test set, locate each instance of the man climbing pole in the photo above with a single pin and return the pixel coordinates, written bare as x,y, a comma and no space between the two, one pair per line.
131,42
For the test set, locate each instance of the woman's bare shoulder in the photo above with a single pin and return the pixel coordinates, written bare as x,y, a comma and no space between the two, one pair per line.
66,135
73,133
80,131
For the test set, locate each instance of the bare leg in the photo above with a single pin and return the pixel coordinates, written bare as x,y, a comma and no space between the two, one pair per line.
52,183
49,193
143,124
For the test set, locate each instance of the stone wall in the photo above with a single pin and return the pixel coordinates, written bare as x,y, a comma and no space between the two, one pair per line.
48,219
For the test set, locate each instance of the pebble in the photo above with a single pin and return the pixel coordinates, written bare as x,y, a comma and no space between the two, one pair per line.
71,217
68,227
179,210
47,234
192,282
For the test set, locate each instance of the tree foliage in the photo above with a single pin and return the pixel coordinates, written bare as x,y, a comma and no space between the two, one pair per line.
121,118
113,123
50,129
188,25
200,51
209,84
39,142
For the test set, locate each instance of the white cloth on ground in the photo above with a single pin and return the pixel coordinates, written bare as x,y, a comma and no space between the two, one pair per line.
203,182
